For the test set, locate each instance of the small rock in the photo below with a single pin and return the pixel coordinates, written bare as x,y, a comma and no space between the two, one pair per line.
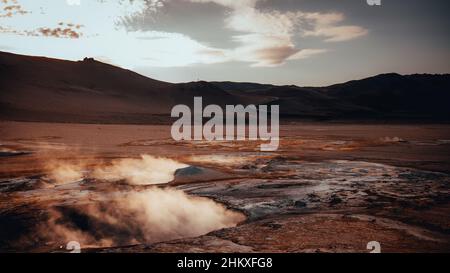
335,200
300,204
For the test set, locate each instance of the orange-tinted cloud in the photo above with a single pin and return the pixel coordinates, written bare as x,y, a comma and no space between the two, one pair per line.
326,25
10,8
70,31
276,55
267,37
61,32
46,32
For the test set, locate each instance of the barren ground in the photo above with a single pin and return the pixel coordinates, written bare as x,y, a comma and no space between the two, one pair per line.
329,188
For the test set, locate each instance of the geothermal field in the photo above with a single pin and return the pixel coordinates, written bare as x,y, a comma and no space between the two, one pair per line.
224,135
330,187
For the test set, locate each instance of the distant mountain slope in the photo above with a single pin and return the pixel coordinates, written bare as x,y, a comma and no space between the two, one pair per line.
311,103
43,89
394,95
242,86
386,96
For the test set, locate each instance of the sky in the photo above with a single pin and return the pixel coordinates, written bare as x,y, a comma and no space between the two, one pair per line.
301,42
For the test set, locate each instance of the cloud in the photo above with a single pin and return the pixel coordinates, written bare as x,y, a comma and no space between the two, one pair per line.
229,3
306,53
267,37
10,8
65,31
264,50
62,31
275,55
262,38
325,26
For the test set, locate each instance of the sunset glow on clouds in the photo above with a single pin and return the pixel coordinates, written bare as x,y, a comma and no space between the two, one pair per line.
264,38
307,42
267,36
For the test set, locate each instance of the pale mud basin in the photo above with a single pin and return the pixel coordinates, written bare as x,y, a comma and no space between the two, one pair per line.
126,188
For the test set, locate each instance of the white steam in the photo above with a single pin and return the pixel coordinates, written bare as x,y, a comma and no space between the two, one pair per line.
141,217
146,170
113,217
61,172
227,160
143,171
